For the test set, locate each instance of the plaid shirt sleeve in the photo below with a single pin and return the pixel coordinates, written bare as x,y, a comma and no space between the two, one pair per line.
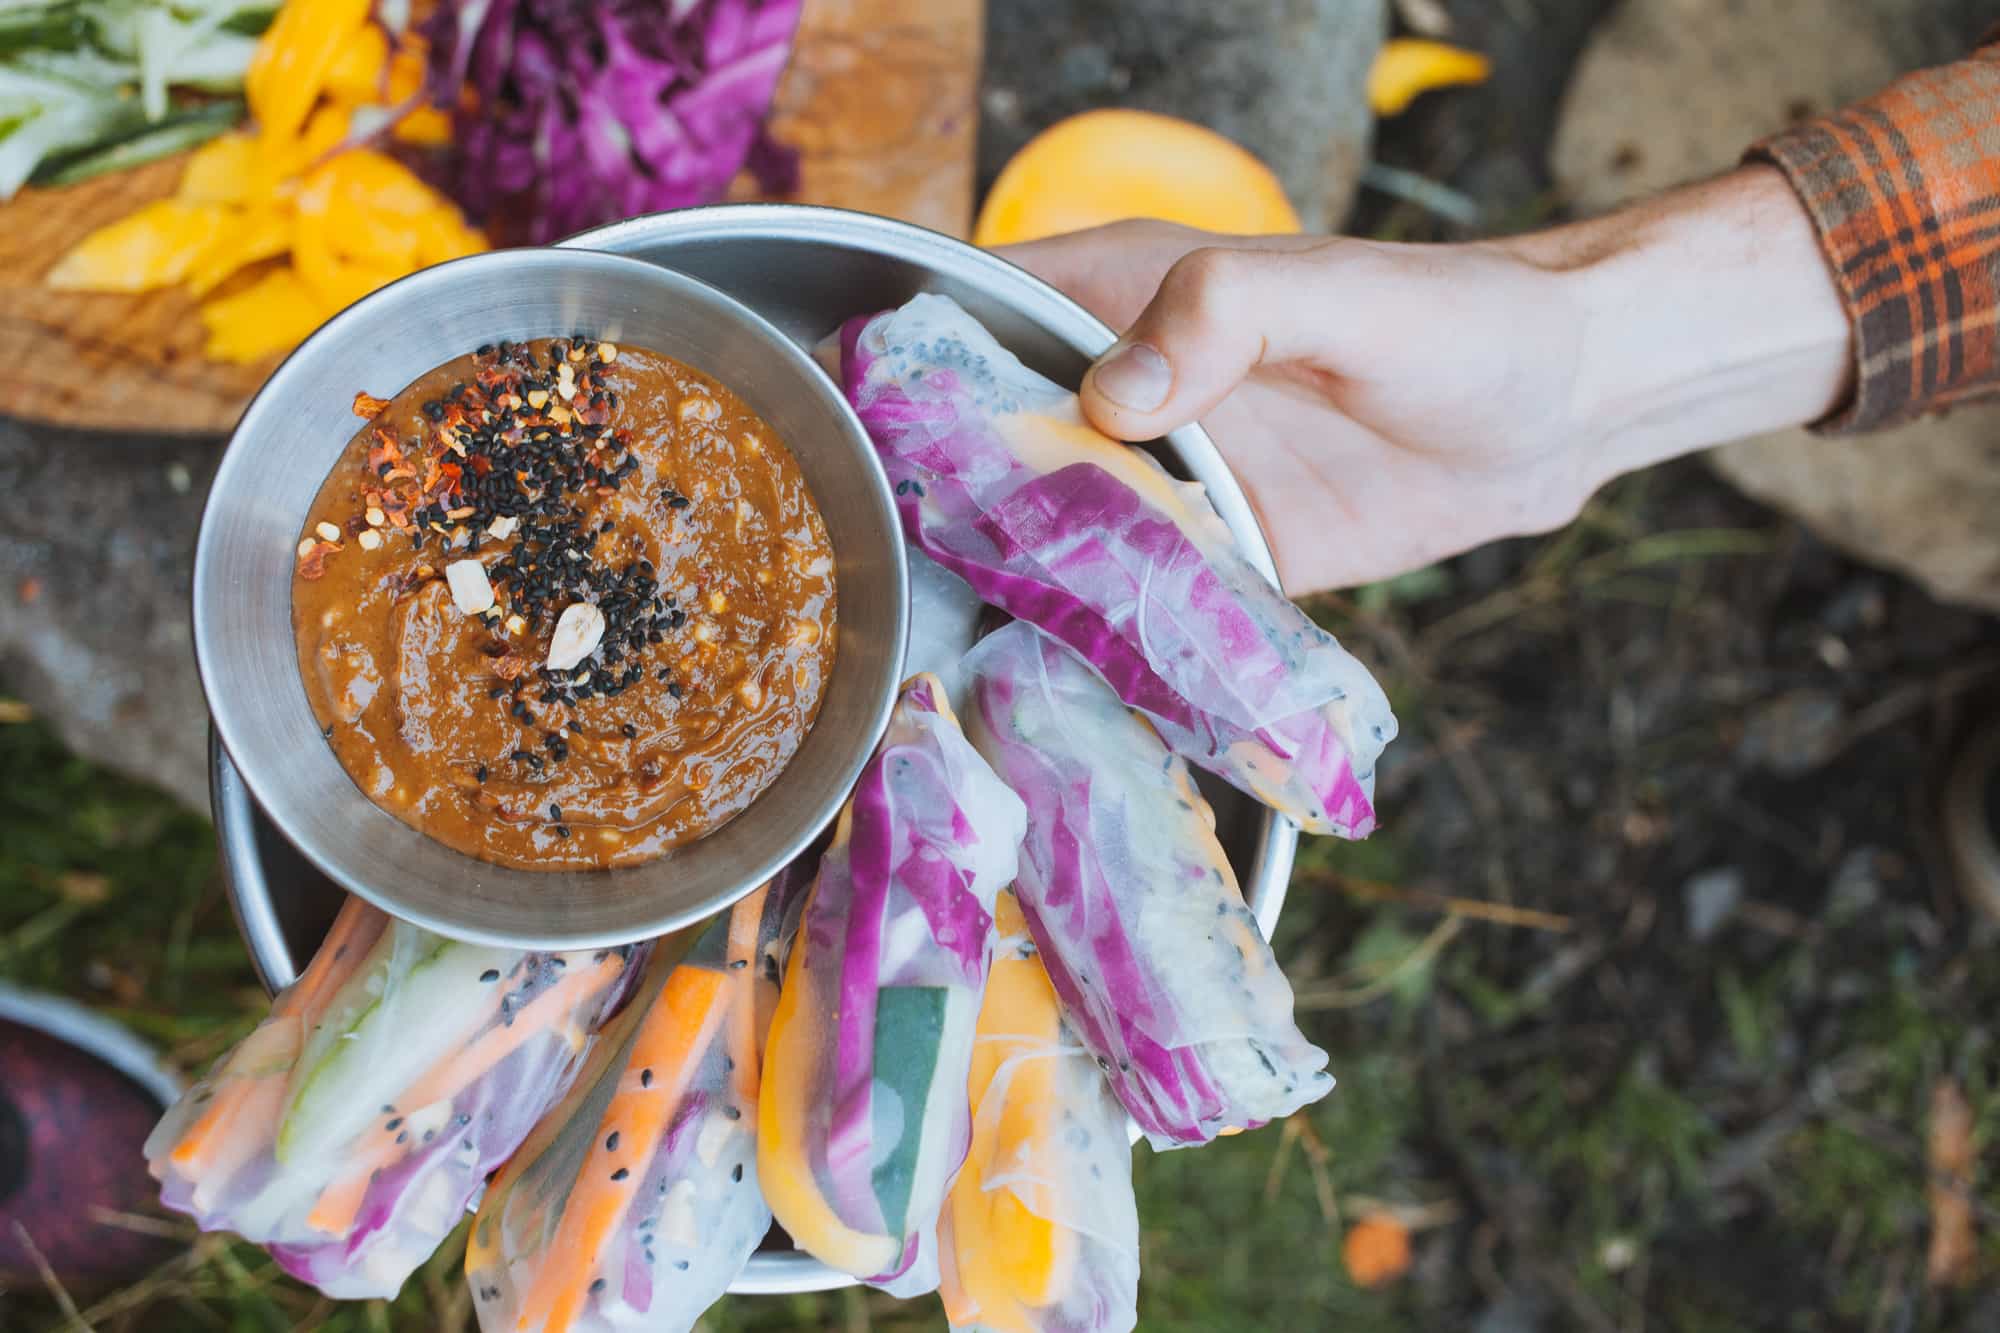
1904,190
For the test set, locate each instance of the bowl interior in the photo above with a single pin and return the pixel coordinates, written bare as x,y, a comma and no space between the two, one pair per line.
291,435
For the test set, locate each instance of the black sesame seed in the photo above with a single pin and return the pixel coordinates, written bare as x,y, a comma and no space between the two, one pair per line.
611,1143
736,1173
630,730
679,502
490,974
620,1173
645,1078
395,1124
674,688
562,830
555,812
597,1286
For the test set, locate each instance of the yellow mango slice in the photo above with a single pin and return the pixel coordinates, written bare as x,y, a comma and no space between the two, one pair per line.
293,59
426,127
1009,1260
272,315
1409,66
222,171
152,247
355,76
280,160
1104,166
798,1028
248,236
442,234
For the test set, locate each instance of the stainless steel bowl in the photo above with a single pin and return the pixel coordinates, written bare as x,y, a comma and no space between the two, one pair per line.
280,455
806,270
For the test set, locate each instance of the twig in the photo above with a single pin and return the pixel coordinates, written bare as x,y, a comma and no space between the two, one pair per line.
1311,999
1658,548
1411,1216
1317,1157
1427,194
1478,909
49,1279
143,1225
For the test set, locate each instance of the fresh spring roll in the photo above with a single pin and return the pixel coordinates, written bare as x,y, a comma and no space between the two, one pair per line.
1160,965
864,1116
350,1130
1041,1234
999,479
635,1202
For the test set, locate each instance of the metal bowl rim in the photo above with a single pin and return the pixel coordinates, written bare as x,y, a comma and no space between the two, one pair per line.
262,788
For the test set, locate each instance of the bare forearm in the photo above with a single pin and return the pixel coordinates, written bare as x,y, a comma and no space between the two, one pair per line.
1708,314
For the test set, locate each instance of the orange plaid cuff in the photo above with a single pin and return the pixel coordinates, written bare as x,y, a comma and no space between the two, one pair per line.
1904,189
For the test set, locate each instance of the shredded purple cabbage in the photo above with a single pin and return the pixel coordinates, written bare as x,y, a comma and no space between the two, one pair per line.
590,112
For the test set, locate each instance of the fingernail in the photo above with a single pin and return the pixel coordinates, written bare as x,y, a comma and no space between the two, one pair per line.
1135,377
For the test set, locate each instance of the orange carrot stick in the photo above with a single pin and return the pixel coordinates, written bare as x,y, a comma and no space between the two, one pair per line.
347,942
744,920
682,1022
380,1148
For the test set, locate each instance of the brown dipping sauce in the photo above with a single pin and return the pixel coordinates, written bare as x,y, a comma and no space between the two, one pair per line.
571,472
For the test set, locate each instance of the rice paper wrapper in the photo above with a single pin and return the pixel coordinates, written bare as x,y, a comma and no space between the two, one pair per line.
1041,1234
348,1133
1000,480
1160,965
864,1118
636,1203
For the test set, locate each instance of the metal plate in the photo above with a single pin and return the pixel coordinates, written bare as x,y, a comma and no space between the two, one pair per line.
806,270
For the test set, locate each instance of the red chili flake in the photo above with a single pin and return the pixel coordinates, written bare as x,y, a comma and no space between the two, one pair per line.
480,464
368,407
313,563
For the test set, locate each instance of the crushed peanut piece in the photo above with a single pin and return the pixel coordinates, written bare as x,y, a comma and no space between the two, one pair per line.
607,352
369,539
578,631
500,529
327,532
306,545
538,398
471,591
376,518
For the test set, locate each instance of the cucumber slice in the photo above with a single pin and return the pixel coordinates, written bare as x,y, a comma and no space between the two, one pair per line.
413,1004
909,1037
187,129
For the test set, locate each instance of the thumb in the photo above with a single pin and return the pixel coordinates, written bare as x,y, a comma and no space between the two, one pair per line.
1218,314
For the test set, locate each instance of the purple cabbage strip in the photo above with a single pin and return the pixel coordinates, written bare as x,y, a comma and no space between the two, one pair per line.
998,479
1159,964
903,898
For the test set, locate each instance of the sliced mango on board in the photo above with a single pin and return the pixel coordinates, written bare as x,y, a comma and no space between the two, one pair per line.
294,58
152,247
272,314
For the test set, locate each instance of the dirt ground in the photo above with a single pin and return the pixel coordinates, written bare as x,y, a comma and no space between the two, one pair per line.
1640,1002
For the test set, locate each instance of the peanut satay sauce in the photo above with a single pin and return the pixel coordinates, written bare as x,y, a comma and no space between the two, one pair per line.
576,474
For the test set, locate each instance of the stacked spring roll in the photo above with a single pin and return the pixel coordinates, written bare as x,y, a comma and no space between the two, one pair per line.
636,1201
1041,1234
999,479
864,1118
1160,965
350,1131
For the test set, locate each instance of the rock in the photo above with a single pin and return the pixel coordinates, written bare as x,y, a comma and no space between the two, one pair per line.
96,556
1712,898
1284,78
1674,90
1793,733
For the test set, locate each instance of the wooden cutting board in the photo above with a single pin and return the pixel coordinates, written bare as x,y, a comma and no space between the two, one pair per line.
880,99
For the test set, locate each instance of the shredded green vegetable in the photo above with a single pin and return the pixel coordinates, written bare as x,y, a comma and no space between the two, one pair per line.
96,85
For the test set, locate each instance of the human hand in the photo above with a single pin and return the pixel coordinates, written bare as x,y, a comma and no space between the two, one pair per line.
1388,405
